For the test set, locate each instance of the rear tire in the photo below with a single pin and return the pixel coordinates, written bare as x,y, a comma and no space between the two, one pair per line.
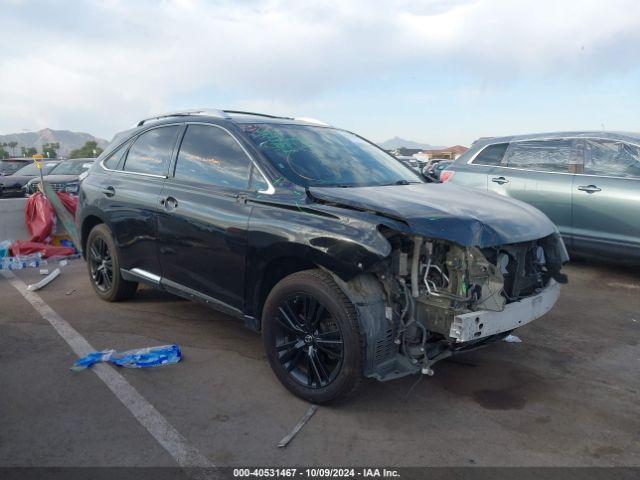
312,337
103,264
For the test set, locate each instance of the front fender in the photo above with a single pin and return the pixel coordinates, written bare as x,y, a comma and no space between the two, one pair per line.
343,245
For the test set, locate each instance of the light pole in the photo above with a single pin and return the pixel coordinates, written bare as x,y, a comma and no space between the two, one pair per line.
36,157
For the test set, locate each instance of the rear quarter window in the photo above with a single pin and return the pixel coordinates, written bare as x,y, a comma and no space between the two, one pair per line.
115,160
152,150
611,158
491,155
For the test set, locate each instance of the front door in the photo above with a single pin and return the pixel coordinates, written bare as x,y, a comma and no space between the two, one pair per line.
203,219
540,173
606,198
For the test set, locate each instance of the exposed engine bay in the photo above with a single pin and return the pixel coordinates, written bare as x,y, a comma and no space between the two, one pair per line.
441,298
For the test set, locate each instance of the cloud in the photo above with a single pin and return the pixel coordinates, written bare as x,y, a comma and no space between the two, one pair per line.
99,66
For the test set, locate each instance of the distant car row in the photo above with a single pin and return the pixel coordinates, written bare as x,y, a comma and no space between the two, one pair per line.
64,176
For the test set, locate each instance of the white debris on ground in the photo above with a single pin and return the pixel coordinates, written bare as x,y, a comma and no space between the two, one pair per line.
628,286
45,281
512,339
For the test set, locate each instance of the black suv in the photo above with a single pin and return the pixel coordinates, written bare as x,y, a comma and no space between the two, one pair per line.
349,264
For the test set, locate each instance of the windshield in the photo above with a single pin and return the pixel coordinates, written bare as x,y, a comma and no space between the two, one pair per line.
71,168
325,157
7,167
31,170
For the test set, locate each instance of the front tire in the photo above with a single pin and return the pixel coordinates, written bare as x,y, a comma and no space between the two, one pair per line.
103,263
312,337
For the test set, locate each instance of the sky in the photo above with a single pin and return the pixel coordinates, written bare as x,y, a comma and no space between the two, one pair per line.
433,71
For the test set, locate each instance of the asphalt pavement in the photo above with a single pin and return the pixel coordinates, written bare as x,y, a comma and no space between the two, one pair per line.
568,395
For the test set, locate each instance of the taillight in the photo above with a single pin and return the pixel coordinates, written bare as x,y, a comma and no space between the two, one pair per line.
446,175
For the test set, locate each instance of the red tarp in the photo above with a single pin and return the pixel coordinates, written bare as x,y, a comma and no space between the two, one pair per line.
23,247
40,218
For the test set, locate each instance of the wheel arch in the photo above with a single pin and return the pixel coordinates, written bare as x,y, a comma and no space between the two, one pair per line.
88,223
271,273
265,268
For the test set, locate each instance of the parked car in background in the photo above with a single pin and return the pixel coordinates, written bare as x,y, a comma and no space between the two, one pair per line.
409,161
12,185
65,177
433,170
587,183
347,261
440,168
12,165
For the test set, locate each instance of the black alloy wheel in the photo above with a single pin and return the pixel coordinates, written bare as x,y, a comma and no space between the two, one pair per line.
101,264
308,341
312,337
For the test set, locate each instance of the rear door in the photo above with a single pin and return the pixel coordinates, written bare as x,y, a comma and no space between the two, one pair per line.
539,172
132,193
606,198
475,173
204,218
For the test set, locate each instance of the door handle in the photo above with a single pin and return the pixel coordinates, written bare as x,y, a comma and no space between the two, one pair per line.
169,203
589,188
109,191
499,180
241,198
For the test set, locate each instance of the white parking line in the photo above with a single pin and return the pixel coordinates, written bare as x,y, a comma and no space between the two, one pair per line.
185,454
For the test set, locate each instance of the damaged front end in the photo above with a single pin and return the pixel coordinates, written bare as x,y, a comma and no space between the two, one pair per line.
431,298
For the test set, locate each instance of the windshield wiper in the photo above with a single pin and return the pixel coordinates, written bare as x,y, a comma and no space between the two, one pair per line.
398,182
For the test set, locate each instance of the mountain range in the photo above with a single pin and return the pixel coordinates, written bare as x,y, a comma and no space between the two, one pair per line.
68,140
397,142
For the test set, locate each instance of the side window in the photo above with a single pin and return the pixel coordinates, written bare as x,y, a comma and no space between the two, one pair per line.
611,158
212,156
544,155
115,160
491,155
151,152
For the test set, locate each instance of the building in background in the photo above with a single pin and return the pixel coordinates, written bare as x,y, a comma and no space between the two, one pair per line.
450,153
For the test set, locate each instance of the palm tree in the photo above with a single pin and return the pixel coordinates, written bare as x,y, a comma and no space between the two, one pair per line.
12,145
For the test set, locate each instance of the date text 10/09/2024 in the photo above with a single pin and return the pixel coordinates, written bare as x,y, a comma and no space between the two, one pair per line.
316,472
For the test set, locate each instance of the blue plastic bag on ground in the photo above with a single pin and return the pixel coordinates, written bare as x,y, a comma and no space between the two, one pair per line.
139,358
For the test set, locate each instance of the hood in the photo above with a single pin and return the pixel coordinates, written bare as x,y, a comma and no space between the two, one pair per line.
14,180
447,211
58,178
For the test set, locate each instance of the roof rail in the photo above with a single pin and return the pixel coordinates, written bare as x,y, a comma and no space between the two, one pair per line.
240,112
301,119
311,120
183,113
223,114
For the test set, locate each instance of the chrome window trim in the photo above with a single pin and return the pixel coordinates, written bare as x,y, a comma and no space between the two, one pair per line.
270,189
473,157
152,277
136,136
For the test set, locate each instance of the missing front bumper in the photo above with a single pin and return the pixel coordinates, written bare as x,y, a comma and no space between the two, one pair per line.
476,325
